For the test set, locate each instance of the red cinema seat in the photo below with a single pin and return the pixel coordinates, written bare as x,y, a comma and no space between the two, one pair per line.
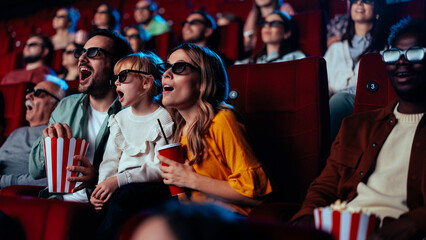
304,5
311,32
45,27
21,190
57,61
373,88
336,7
413,8
208,5
175,17
127,12
285,106
72,87
48,219
14,109
8,62
163,43
241,9
231,40
6,43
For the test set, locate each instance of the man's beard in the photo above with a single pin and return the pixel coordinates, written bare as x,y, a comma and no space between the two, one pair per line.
196,39
147,21
31,59
95,89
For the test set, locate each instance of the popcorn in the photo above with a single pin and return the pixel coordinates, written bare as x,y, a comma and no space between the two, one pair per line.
344,222
59,153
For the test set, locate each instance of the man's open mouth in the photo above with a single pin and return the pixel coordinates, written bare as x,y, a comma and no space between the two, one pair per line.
29,105
85,73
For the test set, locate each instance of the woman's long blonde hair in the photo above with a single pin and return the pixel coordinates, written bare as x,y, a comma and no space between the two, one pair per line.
214,89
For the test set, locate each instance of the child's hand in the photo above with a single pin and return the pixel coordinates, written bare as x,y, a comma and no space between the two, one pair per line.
105,189
97,203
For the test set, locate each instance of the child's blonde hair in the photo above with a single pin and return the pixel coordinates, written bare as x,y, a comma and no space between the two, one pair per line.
146,62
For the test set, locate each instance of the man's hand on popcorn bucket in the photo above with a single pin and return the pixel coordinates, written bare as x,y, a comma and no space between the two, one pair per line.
88,173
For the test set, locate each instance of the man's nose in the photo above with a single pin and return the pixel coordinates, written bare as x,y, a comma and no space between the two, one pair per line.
83,57
402,60
29,96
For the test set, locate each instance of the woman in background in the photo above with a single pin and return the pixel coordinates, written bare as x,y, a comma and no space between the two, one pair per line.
362,35
64,23
70,63
137,37
280,36
261,9
106,17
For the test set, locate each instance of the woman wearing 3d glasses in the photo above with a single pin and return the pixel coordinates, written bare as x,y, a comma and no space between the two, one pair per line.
362,35
280,36
221,167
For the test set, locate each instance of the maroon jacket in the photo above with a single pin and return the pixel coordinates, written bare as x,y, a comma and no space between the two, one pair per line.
352,158
21,75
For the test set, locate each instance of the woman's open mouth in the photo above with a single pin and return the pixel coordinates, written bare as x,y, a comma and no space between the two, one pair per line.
167,88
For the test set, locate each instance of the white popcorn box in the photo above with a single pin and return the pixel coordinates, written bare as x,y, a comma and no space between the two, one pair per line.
344,224
59,153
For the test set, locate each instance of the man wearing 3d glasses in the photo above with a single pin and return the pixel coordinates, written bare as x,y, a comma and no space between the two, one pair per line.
40,103
37,55
86,115
378,159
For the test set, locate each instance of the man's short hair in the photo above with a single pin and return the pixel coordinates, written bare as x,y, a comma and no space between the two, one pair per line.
408,25
121,46
152,5
208,19
62,84
47,43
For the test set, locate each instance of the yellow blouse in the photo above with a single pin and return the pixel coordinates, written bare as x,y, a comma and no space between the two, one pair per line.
229,158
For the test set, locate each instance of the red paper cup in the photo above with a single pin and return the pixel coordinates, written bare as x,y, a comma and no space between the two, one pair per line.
174,152
59,153
345,225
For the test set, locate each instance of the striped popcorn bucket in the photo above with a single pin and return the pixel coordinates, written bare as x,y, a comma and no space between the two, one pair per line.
345,225
59,153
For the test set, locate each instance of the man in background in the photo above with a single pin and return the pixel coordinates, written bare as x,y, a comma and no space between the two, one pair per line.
37,56
14,154
146,16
